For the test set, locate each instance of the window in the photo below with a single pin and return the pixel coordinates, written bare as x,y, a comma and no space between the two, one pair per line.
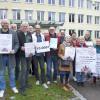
40,1
97,6
52,2
80,18
80,32
80,3
97,34
28,14
62,2
51,16
71,17
3,0
89,19
3,13
16,0
97,20
71,3
40,15
71,31
89,4
28,1
16,14
61,17
90,31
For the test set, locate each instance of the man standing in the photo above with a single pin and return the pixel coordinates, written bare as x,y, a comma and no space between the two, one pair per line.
8,60
52,57
24,37
39,57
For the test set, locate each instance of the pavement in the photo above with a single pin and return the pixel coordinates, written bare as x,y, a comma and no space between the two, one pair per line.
90,91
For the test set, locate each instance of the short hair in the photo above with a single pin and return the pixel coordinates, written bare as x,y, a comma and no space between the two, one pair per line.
5,20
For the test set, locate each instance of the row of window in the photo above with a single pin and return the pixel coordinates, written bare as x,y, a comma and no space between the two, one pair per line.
81,32
51,16
81,3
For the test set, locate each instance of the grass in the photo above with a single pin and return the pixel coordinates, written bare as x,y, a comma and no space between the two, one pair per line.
55,92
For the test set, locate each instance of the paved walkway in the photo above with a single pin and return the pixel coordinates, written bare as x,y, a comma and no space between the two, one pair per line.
89,91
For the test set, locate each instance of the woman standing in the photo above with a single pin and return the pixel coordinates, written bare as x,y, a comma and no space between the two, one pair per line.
64,66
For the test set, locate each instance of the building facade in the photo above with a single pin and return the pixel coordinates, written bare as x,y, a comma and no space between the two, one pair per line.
69,15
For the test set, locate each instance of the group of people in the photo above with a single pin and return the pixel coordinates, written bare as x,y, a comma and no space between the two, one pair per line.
19,66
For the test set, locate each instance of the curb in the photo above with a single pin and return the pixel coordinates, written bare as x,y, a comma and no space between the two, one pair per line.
78,95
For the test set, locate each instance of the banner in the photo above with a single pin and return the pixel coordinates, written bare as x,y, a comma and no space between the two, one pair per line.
69,52
98,65
5,43
42,47
53,43
86,60
29,49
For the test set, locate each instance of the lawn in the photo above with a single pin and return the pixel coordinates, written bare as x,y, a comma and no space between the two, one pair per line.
55,92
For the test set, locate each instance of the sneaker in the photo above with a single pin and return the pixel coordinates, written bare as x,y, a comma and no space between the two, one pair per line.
37,82
45,86
55,81
74,78
15,90
48,82
1,93
65,88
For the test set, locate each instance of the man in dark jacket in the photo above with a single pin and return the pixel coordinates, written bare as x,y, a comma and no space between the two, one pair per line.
24,37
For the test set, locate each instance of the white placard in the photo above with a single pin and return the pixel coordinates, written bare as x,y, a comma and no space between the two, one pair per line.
98,65
5,43
42,47
53,43
89,43
29,49
69,52
86,60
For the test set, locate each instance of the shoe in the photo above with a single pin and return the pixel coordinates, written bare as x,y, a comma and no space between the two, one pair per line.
82,84
37,82
15,90
45,86
48,82
22,92
69,87
78,83
1,93
65,88
55,81
74,78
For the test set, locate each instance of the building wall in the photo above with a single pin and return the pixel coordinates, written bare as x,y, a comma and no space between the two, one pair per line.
22,5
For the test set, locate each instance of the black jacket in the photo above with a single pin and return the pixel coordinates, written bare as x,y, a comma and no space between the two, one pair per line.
22,40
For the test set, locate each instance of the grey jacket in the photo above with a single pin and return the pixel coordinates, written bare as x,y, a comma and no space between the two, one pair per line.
15,46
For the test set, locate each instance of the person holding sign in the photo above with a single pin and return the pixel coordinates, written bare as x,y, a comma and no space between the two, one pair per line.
65,63
81,75
39,57
52,56
8,59
24,37
97,46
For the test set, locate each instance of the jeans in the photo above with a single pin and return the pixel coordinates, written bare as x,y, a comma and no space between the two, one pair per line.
80,76
17,67
24,72
40,60
64,75
52,59
11,72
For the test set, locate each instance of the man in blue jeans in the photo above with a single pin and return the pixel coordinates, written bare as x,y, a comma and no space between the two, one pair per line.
8,60
52,58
